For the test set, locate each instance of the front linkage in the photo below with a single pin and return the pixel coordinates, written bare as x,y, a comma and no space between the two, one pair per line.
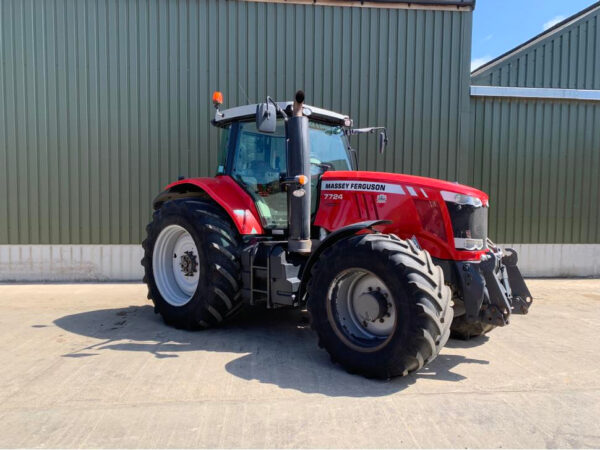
492,289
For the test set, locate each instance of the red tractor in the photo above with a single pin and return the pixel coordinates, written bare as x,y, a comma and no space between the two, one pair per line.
387,265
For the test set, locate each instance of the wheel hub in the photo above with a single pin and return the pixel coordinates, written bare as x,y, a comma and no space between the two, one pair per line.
176,265
362,307
371,305
188,263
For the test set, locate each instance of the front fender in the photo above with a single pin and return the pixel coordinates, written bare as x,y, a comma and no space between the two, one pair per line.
224,191
331,239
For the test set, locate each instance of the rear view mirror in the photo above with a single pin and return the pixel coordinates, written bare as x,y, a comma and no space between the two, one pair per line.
266,118
383,140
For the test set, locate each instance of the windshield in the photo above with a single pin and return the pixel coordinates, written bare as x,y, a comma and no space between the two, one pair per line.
261,160
328,146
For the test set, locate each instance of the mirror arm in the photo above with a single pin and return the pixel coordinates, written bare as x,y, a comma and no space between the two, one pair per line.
278,108
370,130
383,138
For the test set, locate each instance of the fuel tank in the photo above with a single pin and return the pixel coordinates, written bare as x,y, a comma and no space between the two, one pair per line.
441,216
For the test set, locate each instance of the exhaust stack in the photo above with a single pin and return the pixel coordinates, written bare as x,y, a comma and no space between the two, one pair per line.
298,167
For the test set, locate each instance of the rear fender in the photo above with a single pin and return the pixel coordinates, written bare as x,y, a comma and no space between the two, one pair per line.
222,190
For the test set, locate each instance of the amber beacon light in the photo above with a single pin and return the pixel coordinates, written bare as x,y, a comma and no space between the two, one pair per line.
217,98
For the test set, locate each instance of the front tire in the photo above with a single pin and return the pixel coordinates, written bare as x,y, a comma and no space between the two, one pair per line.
191,264
379,305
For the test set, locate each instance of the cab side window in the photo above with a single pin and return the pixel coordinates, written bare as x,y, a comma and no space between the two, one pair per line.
259,164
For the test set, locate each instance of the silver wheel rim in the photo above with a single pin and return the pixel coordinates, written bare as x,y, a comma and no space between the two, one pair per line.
176,265
361,309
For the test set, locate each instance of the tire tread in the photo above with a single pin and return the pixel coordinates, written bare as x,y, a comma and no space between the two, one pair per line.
430,304
223,247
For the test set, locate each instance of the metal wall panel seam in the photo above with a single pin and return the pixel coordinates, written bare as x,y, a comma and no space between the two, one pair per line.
4,189
434,5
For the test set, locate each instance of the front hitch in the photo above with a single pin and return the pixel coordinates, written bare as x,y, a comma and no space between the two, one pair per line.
521,297
493,289
498,308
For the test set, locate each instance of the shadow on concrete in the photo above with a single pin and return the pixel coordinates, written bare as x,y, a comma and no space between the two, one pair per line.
276,347
473,342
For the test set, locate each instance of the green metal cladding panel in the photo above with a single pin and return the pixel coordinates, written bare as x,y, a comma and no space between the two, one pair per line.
567,58
540,162
103,102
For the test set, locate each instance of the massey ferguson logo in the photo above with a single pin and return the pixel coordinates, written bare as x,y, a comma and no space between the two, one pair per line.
358,186
349,186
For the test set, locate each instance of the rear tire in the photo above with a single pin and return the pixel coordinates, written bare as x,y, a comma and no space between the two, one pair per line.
461,329
418,302
214,266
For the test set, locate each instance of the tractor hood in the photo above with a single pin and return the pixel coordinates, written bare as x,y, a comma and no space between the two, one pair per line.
384,182
416,207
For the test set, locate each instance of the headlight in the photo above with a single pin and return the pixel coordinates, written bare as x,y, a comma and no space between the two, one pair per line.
469,220
461,199
468,244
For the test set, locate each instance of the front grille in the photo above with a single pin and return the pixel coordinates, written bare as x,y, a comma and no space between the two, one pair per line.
469,225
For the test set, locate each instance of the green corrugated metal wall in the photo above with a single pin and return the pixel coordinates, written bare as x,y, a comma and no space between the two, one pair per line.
567,58
540,162
103,102
540,159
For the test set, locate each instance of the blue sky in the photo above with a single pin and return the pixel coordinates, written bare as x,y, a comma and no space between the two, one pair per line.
500,25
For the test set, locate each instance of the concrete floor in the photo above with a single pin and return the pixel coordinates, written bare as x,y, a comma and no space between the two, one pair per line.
90,365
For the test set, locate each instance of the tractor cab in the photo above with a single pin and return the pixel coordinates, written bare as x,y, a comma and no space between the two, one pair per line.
257,159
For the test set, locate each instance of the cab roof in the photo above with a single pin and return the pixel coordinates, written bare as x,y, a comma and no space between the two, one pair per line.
240,113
